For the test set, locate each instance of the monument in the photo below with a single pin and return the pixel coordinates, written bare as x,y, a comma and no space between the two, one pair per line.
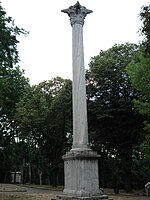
81,163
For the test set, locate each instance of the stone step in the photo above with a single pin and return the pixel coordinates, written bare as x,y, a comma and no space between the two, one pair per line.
63,197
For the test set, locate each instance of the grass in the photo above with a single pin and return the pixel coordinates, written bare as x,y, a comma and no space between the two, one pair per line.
43,187
12,197
26,197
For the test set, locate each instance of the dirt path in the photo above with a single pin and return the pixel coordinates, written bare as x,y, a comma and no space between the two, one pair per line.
12,188
16,192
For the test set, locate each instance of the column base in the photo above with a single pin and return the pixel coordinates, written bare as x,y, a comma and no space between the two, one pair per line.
81,174
63,197
80,147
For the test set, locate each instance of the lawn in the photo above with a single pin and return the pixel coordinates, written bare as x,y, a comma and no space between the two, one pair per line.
26,196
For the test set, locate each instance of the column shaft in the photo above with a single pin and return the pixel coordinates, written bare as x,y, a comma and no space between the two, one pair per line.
80,127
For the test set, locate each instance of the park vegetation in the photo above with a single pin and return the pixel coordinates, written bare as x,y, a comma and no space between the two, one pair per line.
36,121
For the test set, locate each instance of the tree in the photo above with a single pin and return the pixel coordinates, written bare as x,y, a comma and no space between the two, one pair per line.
145,28
12,81
145,147
115,126
44,115
12,84
8,40
140,76
140,71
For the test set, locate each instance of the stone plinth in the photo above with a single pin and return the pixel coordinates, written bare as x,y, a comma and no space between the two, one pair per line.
81,176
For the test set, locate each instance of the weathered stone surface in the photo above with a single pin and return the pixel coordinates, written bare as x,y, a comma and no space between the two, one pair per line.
78,154
81,174
77,14
80,127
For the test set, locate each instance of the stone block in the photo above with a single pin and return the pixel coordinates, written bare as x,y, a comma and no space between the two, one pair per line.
81,174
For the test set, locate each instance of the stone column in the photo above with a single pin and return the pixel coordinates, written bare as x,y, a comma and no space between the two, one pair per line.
81,163
77,14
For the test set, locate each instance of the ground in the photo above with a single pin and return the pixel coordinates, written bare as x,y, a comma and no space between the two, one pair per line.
15,192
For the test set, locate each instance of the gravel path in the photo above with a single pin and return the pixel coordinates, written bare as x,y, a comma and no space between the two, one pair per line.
12,188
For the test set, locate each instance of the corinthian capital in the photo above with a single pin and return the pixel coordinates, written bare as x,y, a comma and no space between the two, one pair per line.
77,13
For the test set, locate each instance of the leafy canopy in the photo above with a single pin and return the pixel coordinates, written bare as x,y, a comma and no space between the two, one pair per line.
139,70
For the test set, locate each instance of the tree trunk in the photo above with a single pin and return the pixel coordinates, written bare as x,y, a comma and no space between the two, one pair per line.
22,171
40,177
126,157
55,178
29,172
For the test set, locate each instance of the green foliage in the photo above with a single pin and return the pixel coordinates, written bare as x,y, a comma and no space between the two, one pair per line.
145,147
109,75
44,117
141,163
140,76
139,71
145,29
12,81
8,40
114,124
12,84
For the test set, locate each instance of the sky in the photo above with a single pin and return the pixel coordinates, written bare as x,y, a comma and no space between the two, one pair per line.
47,51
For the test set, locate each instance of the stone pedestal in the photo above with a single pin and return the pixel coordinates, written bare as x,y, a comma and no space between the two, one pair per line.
81,176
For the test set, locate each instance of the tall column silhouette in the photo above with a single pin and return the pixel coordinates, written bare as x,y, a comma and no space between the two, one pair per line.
81,163
77,14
